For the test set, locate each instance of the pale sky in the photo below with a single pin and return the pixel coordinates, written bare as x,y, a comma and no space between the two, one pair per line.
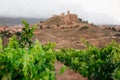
95,11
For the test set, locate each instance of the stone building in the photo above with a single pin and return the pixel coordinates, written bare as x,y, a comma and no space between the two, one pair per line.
70,18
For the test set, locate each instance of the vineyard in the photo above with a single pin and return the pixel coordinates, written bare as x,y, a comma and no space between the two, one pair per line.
23,59
94,63
35,63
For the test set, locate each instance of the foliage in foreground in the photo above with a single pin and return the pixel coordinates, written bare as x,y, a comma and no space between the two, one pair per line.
23,60
94,63
26,64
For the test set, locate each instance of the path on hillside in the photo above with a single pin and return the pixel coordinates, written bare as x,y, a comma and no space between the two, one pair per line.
68,74
50,35
58,40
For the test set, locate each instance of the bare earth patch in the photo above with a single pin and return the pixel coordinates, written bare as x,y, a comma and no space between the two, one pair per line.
68,74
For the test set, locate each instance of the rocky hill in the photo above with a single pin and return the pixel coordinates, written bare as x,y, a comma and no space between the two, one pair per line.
63,21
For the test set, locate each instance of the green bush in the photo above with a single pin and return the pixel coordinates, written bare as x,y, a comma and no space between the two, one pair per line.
84,28
26,35
113,28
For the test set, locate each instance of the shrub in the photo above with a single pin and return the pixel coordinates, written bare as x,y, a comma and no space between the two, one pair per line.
26,34
84,28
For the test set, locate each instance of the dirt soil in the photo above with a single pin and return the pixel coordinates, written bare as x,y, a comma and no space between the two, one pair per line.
71,37
68,74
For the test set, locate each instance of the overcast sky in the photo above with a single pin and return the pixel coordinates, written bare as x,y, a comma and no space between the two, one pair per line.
96,11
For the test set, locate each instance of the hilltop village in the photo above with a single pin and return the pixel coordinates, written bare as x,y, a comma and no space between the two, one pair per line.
63,21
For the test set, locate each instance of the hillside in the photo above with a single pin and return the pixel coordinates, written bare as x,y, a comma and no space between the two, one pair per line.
67,30
70,37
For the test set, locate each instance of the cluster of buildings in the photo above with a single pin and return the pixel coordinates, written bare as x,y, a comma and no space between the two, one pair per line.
63,21
11,29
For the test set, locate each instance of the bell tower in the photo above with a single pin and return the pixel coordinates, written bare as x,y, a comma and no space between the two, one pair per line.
68,12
